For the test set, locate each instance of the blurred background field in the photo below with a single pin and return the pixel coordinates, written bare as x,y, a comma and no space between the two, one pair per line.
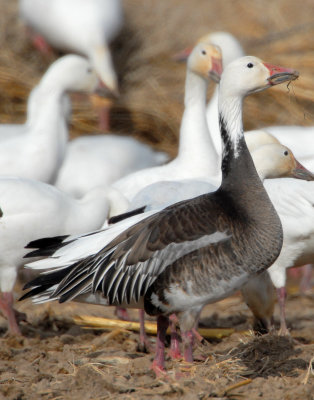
151,84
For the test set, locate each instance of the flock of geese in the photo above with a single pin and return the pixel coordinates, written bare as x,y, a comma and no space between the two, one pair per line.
107,221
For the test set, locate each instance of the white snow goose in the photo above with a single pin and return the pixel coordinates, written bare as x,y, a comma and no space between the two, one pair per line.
294,203
196,156
195,152
79,26
231,49
96,160
33,209
190,254
36,149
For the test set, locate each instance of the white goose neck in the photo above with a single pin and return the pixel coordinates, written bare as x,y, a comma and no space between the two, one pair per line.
230,121
196,144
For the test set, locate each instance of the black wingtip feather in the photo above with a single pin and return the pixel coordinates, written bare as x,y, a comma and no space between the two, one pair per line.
46,247
34,291
44,242
121,217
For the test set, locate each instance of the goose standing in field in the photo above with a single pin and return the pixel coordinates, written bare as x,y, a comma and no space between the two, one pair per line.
196,157
79,26
189,254
300,140
294,203
33,209
271,160
96,160
36,149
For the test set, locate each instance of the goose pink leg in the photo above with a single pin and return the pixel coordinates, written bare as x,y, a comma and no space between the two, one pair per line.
282,294
40,43
188,341
158,365
144,341
122,314
174,352
306,284
6,306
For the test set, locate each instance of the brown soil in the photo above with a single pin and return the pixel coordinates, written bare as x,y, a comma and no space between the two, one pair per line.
56,359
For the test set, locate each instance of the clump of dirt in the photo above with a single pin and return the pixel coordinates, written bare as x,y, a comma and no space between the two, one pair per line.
270,355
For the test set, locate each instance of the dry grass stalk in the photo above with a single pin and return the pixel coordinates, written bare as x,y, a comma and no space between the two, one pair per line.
310,371
150,327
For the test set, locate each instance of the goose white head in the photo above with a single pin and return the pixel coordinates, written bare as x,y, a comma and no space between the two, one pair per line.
240,78
249,74
205,61
70,73
229,45
276,161
258,137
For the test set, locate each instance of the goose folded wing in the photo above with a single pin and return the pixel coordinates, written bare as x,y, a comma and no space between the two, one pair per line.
125,268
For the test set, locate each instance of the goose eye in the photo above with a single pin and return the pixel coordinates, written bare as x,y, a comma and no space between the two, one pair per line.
250,65
286,153
89,70
204,52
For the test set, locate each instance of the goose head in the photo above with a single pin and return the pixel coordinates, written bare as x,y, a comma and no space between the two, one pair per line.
258,137
205,61
101,59
249,74
274,160
229,45
71,73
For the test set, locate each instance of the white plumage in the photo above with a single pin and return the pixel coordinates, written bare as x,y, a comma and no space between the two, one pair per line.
36,148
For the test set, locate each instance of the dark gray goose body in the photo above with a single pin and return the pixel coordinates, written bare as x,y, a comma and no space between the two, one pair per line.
245,234
191,253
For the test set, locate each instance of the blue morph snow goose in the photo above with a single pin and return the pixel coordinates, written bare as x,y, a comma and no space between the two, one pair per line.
189,254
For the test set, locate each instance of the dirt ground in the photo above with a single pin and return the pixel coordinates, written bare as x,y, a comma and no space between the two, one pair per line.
57,359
